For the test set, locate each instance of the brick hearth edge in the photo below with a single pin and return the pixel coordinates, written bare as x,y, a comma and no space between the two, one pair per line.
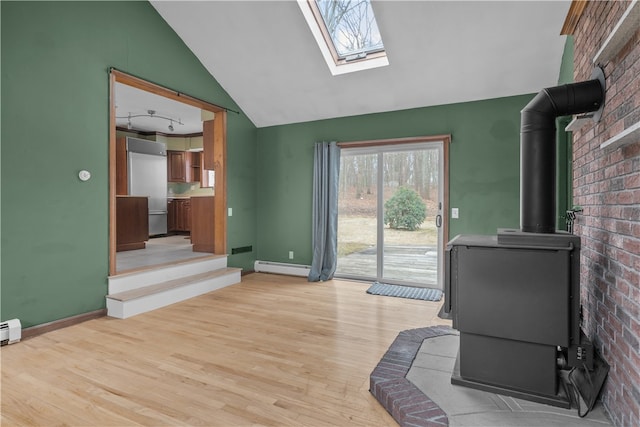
407,404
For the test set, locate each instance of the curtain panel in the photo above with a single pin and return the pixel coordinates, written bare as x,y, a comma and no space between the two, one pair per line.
326,168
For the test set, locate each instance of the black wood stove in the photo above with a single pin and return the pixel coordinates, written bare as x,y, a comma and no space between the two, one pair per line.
515,297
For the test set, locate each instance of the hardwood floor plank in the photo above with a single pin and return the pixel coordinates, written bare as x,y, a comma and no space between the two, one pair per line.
269,351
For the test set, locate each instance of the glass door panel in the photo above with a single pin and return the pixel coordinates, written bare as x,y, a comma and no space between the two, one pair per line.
410,208
357,215
390,214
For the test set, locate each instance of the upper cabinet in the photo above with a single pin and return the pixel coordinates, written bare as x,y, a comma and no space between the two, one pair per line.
183,166
177,166
195,166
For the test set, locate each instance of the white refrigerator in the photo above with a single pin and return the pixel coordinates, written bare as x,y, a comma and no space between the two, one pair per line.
147,177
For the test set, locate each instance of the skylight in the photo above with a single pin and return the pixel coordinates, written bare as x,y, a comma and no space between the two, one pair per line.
346,32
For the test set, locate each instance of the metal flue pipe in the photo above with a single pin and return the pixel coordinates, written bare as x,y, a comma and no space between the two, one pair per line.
538,148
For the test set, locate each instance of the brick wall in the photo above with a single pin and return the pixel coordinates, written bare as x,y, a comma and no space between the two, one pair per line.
606,184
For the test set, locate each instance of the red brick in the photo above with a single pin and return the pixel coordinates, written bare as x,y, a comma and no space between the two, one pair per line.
623,227
631,150
626,197
606,184
632,245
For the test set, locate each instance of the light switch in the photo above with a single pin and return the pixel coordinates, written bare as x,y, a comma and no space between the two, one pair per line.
454,213
230,211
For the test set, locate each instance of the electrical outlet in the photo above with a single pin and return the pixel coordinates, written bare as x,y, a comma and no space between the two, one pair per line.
454,213
290,254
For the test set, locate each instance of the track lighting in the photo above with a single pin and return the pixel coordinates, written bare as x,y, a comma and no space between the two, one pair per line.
152,114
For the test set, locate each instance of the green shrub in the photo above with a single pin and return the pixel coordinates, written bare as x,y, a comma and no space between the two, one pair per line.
405,210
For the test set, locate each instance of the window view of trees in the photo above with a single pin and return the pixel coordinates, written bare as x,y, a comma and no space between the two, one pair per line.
417,170
351,25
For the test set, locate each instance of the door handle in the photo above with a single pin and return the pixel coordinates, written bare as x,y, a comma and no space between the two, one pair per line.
438,221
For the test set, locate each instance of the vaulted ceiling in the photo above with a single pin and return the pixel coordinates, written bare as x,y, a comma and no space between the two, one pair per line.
440,52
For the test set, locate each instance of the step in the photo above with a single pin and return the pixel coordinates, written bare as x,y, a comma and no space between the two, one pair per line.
141,300
141,278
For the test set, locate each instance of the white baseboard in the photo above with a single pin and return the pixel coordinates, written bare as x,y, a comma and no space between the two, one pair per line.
281,268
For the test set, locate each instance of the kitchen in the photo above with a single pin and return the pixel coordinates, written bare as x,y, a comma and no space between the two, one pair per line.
164,194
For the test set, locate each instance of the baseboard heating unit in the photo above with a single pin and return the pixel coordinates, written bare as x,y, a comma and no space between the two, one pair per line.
10,331
281,268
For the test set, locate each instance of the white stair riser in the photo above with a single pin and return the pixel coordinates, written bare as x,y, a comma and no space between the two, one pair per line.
133,281
125,309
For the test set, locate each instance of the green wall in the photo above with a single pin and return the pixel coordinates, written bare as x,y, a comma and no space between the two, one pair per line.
484,168
564,172
55,122
566,66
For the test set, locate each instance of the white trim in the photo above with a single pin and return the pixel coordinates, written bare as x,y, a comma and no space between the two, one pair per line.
139,279
625,137
146,303
624,29
281,268
578,122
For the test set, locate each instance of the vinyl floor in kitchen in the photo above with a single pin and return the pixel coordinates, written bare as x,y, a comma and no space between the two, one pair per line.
159,250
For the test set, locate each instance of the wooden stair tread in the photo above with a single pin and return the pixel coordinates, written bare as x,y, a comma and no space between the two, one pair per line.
171,284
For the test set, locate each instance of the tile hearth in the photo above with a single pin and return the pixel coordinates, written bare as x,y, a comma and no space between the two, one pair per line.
413,383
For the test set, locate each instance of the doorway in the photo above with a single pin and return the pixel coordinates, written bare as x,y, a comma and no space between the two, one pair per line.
391,226
212,123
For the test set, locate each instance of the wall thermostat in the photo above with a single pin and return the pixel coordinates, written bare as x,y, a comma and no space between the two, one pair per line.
84,175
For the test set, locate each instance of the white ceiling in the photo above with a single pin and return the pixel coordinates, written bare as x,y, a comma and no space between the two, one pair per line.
440,52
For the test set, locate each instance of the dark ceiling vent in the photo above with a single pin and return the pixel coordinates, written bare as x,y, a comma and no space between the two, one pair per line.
538,147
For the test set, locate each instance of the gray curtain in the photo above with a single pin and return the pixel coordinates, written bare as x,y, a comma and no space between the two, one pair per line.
326,167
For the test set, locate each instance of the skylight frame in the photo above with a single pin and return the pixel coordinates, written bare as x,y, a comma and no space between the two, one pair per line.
337,64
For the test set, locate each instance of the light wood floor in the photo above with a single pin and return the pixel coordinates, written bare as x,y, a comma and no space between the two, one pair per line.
272,350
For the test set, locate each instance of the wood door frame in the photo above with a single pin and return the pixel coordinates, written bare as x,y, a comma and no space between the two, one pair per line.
219,154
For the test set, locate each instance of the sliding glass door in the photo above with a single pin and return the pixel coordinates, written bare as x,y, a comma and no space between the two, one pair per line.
390,214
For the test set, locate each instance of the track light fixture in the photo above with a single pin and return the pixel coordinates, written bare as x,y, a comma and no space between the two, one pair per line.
151,113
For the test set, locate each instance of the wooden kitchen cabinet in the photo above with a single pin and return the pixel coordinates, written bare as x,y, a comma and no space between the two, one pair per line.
183,166
179,215
183,215
176,166
202,224
132,222
195,163
171,215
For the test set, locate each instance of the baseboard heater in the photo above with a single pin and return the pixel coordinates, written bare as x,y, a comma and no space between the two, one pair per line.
10,331
281,268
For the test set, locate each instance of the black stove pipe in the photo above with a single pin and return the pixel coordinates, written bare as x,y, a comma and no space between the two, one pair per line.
538,148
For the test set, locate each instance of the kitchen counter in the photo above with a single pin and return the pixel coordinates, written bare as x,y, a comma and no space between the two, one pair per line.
188,197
